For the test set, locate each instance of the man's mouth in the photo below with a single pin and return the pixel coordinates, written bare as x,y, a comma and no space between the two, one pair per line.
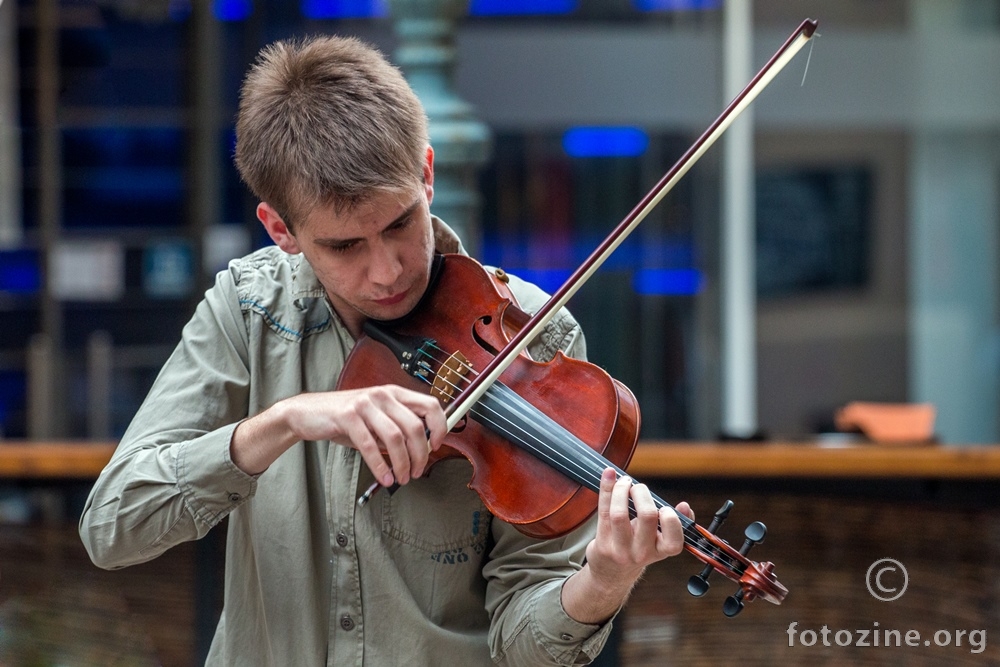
392,300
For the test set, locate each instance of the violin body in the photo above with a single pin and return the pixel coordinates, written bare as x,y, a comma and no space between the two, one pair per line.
543,433
465,311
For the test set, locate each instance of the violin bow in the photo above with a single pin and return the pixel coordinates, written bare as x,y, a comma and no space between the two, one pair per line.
481,383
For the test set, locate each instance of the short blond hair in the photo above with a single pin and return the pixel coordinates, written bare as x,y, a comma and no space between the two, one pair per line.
327,120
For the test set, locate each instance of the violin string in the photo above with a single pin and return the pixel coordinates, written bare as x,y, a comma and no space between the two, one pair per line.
518,404
528,411
600,463
539,449
541,452
691,537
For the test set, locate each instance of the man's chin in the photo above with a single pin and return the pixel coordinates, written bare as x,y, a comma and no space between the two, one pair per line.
390,312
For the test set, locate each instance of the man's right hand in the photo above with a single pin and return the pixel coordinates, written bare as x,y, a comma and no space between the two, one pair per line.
370,420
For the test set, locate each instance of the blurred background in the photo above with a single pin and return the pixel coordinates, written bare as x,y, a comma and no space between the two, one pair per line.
875,194
863,188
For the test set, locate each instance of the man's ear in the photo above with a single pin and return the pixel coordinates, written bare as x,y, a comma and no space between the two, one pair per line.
277,229
429,174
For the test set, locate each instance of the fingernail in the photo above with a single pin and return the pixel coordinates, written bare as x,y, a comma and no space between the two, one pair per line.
388,479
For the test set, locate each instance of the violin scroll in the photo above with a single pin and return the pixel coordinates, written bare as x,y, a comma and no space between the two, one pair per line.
756,580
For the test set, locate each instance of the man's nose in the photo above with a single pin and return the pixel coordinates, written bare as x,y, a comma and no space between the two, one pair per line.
386,265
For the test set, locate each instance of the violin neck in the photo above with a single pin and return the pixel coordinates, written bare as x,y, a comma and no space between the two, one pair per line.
512,417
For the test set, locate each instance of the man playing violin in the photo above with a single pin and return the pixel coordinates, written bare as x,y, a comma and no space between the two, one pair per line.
244,422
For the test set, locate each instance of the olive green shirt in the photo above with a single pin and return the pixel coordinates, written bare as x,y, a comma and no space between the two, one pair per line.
425,576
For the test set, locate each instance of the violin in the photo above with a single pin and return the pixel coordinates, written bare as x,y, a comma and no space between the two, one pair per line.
539,435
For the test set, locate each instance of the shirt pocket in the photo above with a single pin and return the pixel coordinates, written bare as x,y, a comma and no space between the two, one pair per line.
438,512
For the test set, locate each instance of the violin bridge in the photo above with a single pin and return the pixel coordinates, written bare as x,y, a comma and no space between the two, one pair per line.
450,378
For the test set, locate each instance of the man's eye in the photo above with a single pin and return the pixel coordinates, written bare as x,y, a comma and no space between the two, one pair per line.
402,224
345,247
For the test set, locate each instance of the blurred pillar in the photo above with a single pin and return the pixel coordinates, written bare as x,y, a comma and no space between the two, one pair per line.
204,163
738,238
100,374
41,389
955,282
10,136
51,411
426,54
954,241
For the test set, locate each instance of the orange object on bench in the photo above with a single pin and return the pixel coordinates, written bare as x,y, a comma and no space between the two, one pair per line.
889,422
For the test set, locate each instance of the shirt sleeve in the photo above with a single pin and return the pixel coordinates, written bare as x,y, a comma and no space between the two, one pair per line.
525,576
171,478
524,599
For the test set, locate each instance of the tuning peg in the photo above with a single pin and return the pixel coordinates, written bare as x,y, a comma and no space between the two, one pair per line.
698,584
720,516
754,533
733,604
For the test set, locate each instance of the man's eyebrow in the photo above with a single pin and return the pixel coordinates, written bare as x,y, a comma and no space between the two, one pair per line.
402,216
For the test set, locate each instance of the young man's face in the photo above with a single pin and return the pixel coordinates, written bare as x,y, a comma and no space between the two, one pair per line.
374,260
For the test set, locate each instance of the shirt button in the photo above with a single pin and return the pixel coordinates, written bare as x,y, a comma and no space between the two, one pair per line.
566,636
235,497
342,539
346,622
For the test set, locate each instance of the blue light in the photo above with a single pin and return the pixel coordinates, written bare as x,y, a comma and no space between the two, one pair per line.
549,280
605,142
511,251
663,282
19,272
232,10
674,259
13,392
675,5
513,7
344,9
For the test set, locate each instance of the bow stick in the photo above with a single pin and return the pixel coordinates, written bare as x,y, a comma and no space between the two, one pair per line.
481,383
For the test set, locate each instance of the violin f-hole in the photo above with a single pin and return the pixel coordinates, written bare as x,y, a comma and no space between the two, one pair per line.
483,321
